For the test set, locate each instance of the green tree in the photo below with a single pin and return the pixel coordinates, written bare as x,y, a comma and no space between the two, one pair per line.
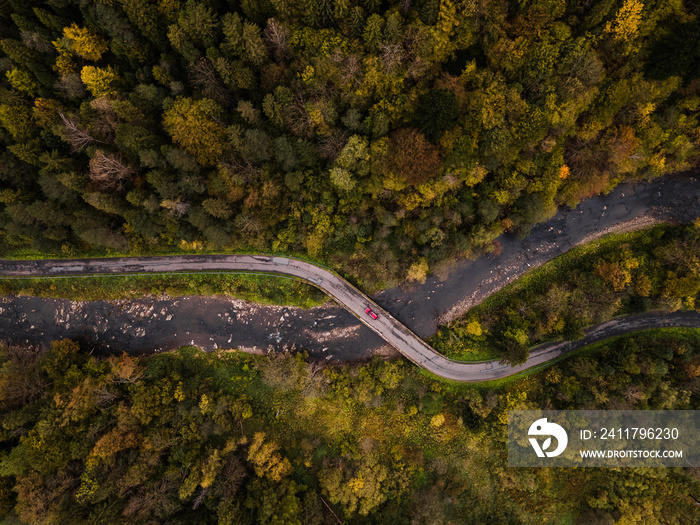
436,113
95,230
258,10
276,504
257,146
232,27
357,21
134,139
286,154
217,208
17,119
149,20
676,52
372,6
372,35
196,23
22,81
255,48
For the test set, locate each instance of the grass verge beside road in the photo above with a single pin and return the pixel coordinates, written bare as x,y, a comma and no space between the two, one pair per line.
633,343
653,269
265,289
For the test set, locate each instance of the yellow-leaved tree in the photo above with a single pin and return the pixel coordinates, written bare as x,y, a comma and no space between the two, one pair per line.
22,81
418,271
442,33
85,43
266,459
626,23
193,125
100,81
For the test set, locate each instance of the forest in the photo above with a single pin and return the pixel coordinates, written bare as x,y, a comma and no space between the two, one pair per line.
655,269
228,438
383,138
380,137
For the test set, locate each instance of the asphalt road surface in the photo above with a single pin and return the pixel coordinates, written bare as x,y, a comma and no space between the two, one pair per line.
388,328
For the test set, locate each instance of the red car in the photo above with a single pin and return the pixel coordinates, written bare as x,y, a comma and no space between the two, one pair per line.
371,313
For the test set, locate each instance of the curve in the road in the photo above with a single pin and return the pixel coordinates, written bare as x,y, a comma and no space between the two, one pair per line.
391,330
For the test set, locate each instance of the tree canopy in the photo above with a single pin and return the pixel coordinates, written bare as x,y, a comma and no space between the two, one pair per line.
189,437
376,136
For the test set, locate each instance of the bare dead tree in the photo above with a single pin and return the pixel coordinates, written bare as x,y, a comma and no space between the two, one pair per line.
334,514
337,55
634,394
22,389
248,111
104,106
239,170
125,370
331,145
108,169
352,69
277,37
107,124
26,383
77,138
412,41
232,475
37,41
104,397
300,121
248,223
314,377
159,497
71,85
178,207
200,498
392,56
417,67
204,77
583,157
23,356
96,430
692,499
314,368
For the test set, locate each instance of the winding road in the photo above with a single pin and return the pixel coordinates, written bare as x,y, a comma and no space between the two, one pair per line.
386,326
417,309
